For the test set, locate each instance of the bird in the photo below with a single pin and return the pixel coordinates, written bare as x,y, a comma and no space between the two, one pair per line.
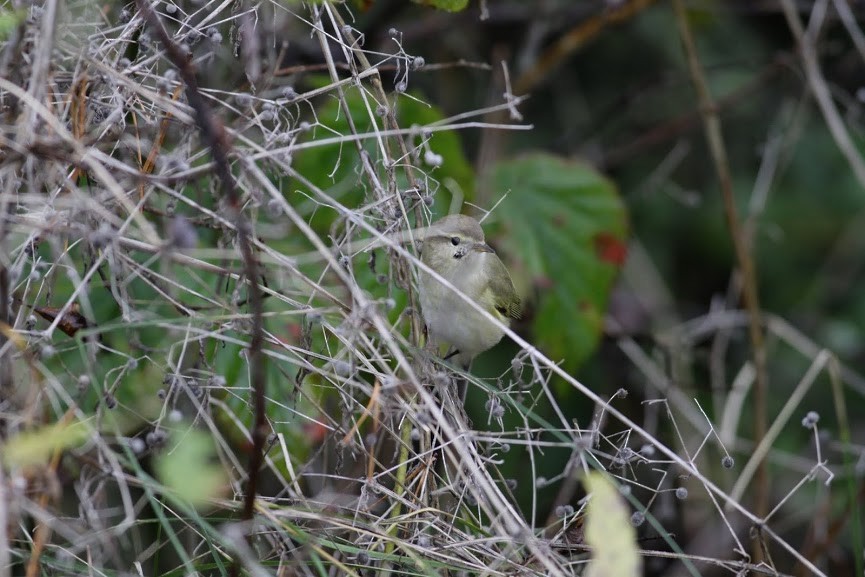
455,248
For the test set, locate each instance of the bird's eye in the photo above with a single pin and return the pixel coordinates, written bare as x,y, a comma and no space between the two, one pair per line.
455,240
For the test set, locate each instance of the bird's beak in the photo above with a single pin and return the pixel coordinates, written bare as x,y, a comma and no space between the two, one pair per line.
483,247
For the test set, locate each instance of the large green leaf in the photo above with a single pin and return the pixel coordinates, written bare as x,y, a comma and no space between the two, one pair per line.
336,167
565,237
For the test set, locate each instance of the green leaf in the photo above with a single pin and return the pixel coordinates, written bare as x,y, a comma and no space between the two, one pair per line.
10,20
565,230
448,5
609,531
189,467
336,168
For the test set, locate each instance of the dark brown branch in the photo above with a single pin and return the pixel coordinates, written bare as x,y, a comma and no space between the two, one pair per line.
715,140
216,138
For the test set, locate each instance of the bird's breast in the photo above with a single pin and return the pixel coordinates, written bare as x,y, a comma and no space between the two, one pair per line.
452,320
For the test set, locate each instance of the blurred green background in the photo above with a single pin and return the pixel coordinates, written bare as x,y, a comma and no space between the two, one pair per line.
608,213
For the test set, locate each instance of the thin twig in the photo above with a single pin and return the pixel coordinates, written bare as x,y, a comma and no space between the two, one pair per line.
817,83
715,140
574,39
216,138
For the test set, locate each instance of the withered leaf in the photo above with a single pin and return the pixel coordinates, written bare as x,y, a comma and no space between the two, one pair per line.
70,323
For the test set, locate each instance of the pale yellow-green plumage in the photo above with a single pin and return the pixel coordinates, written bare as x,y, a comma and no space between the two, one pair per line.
454,247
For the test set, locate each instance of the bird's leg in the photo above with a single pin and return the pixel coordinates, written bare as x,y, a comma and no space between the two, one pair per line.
461,382
451,354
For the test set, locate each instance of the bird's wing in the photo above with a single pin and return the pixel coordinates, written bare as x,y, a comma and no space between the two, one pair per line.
506,300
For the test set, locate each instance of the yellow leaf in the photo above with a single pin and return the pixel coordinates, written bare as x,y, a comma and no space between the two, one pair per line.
609,532
189,468
11,333
37,447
